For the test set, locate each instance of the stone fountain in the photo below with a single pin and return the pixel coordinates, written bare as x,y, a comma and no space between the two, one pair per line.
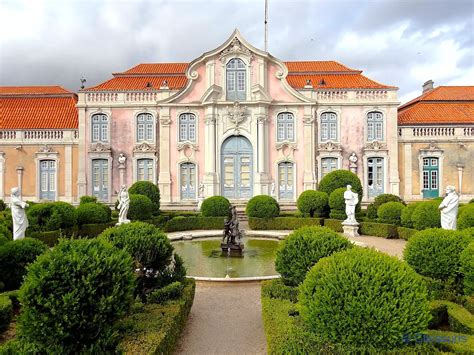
232,243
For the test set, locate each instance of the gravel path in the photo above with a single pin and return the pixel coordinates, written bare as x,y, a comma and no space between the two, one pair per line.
226,318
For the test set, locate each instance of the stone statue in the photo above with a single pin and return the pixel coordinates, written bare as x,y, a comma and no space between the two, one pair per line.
273,189
352,199
449,209
123,206
122,159
20,221
201,190
353,162
232,239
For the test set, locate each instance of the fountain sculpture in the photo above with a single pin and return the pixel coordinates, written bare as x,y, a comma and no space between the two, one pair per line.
232,243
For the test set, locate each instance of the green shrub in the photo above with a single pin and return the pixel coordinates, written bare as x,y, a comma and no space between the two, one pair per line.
93,230
283,223
341,178
426,215
390,212
378,230
468,303
6,232
3,205
51,216
166,293
149,190
406,233
277,289
334,224
313,203
158,327
50,238
4,240
435,252
467,268
6,312
182,223
107,210
140,208
303,248
466,217
15,256
262,206
337,204
468,231
372,209
88,199
73,295
448,313
215,206
406,216
89,213
362,294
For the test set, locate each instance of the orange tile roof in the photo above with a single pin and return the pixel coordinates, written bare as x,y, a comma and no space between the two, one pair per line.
141,83
36,107
317,67
158,68
335,81
442,105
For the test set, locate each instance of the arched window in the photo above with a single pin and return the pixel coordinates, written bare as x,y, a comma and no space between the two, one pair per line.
145,170
236,77
187,127
374,126
188,181
100,128
286,131
285,180
145,127
328,126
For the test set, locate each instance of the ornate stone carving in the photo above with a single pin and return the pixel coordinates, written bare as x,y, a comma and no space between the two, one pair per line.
99,147
308,119
46,149
234,48
144,147
375,145
185,145
165,121
210,119
237,113
285,145
330,147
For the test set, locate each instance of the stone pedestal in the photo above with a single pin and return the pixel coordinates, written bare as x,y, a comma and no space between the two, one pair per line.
122,174
350,229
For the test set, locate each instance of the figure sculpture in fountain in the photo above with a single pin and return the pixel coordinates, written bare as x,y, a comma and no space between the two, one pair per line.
449,209
20,221
232,239
123,206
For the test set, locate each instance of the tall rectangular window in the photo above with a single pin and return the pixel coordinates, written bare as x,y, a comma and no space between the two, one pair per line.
374,126
100,128
145,170
188,181
285,127
187,127
328,127
328,165
145,127
236,80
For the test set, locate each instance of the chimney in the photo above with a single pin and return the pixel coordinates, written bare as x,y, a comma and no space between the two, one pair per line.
428,86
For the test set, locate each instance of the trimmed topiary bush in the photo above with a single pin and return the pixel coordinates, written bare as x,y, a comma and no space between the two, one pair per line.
337,204
407,212
283,223
313,203
15,256
262,206
73,295
87,199
466,217
426,215
340,178
51,216
361,295
4,240
215,206
468,231
3,205
467,268
390,212
141,208
303,248
6,312
435,252
372,209
88,213
148,189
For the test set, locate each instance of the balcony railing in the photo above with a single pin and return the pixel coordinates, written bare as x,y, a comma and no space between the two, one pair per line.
436,132
38,136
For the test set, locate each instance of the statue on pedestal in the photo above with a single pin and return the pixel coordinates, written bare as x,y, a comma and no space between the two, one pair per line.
122,159
20,221
200,196
449,209
123,206
273,189
232,240
352,199
353,163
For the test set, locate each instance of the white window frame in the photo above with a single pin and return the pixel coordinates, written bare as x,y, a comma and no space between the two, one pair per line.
39,158
375,126
151,161
145,127
237,73
100,131
329,124
286,124
326,158
184,127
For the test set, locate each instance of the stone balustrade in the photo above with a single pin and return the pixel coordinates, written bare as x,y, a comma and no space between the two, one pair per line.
120,98
359,96
424,133
38,136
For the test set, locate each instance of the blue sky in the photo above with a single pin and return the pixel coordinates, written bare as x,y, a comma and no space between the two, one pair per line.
402,43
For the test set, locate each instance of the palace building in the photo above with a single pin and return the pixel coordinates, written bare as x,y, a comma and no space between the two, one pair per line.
236,121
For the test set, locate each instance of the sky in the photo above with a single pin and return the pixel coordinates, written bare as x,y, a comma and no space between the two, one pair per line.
396,42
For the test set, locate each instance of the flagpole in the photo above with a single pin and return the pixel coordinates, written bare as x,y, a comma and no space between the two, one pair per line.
266,25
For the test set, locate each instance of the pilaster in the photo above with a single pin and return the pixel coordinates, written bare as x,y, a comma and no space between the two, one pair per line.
164,179
407,171
2,176
309,171
262,182
81,172
210,179
68,183
19,174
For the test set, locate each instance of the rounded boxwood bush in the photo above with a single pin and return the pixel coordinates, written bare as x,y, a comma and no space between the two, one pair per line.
467,268
390,212
469,232
90,212
313,203
148,189
141,208
426,215
262,206
73,295
4,240
361,295
51,216
303,248
435,252
15,256
379,201
87,199
466,217
340,178
215,206
407,212
337,204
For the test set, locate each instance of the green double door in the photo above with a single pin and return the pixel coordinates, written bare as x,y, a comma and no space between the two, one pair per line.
430,177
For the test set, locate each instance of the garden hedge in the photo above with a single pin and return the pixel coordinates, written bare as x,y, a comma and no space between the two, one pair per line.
449,342
91,212
149,190
141,208
87,199
182,223
277,289
407,212
337,204
466,217
361,295
51,216
6,312
426,215
169,292
372,209
283,223
313,203
390,212
262,206
467,268
406,233
460,320
215,206
341,178
334,224
303,248
378,230
157,328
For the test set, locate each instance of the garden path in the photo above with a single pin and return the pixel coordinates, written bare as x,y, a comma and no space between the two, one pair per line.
226,318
